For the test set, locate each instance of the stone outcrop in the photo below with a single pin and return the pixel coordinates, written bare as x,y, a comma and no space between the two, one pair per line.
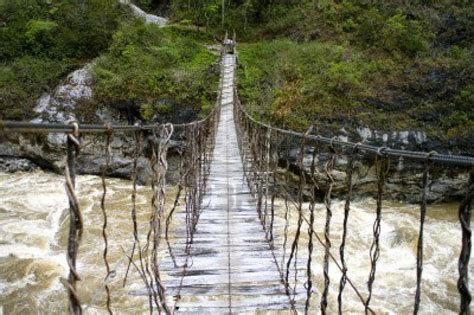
404,180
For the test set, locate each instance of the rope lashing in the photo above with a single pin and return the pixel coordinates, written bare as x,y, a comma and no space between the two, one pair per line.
158,202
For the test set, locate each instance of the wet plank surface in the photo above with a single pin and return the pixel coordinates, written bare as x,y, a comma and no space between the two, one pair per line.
232,267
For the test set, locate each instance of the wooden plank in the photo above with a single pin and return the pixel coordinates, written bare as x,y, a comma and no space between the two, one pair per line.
231,268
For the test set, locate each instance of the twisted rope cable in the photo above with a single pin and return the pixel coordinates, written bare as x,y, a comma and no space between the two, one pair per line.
142,269
75,218
169,218
347,209
286,197
105,170
327,203
313,187
464,214
165,136
153,235
419,247
382,172
294,246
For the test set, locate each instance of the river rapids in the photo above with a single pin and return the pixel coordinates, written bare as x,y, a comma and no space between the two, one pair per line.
33,234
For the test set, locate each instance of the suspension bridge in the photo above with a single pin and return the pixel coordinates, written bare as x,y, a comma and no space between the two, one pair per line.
229,253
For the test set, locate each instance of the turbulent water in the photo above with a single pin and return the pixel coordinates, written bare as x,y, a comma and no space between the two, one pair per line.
33,230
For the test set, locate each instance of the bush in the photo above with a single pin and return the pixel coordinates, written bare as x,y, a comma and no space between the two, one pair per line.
297,84
42,40
24,80
146,63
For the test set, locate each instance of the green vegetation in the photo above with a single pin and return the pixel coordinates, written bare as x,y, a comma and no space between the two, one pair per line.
296,84
386,64
41,41
149,64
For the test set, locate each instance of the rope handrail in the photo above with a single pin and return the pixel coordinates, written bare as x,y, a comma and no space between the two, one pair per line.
457,160
31,127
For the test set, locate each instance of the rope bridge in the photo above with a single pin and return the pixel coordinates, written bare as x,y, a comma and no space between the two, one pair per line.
234,179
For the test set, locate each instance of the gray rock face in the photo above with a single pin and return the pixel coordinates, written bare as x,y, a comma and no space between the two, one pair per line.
149,18
119,167
404,180
58,106
26,152
12,165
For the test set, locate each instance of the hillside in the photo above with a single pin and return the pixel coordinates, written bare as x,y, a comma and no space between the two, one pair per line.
389,66
133,68
340,65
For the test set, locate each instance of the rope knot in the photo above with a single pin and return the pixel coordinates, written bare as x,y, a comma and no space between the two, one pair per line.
331,144
75,134
430,154
109,129
382,151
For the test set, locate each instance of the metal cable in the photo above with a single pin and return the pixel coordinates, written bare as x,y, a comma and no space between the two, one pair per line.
458,160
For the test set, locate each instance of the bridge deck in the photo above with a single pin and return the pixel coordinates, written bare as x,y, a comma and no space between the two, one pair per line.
232,265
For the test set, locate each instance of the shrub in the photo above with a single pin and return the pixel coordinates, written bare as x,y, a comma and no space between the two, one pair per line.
146,63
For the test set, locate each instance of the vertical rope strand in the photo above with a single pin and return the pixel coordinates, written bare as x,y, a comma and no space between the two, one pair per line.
75,218
294,246
327,239
313,187
463,264
105,170
347,209
419,247
382,172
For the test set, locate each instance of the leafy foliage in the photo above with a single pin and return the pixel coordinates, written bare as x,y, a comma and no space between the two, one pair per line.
147,64
298,84
42,40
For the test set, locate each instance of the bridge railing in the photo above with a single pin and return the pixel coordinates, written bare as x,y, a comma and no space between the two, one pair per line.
272,156
195,140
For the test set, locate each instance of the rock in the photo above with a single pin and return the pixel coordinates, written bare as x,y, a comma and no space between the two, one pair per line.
149,18
59,106
11,165
119,166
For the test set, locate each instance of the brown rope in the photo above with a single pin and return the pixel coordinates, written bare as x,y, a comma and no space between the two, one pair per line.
419,247
313,187
382,172
465,210
347,209
75,218
327,202
294,246
105,170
